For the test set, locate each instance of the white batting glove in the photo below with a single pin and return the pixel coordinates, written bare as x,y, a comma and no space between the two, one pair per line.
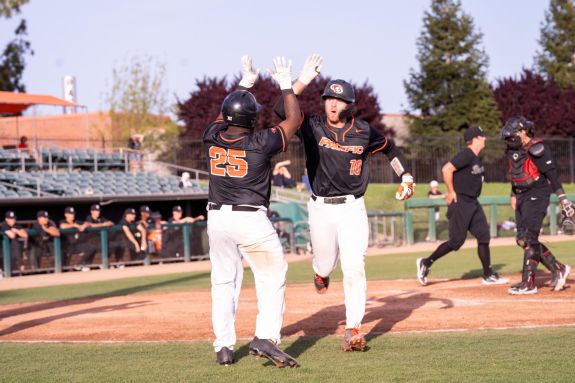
249,75
282,72
311,68
405,189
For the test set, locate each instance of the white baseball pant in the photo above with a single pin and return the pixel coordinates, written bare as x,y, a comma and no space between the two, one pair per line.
342,230
233,235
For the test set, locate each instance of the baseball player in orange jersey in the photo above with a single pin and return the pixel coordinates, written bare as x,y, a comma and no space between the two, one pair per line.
239,160
338,147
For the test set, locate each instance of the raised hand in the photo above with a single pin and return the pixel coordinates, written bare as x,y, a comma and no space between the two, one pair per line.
249,75
281,72
311,68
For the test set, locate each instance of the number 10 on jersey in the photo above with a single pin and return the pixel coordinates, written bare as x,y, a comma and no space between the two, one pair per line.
228,162
355,167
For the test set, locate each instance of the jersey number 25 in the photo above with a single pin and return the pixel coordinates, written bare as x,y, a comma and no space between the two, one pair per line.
230,162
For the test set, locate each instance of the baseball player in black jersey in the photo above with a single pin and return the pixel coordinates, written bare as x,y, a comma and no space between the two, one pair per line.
533,177
338,146
239,160
463,175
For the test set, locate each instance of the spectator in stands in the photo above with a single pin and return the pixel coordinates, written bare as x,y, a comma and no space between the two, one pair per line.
41,240
281,175
172,238
18,237
91,241
135,145
70,241
185,181
155,233
23,145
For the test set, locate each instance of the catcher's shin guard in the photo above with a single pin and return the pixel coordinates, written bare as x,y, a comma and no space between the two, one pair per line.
268,349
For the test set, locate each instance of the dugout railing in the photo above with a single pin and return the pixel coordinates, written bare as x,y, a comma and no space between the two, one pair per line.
147,257
490,203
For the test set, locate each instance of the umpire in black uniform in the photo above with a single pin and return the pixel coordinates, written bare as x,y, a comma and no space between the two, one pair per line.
463,175
533,176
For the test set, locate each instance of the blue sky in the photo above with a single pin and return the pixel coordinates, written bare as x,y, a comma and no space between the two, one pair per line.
359,40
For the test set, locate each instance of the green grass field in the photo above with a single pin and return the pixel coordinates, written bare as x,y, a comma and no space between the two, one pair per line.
462,264
486,356
476,356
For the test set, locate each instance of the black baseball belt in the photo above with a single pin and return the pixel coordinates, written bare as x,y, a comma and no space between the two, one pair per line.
213,206
334,200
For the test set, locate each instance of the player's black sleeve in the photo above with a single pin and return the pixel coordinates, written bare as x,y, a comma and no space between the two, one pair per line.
271,141
462,159
379,143
546,166
211,127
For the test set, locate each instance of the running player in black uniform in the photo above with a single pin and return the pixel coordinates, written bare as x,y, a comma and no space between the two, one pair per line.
338,147
463,176
533,177
239,160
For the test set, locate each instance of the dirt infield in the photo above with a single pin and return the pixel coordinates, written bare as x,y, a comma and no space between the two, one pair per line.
393,306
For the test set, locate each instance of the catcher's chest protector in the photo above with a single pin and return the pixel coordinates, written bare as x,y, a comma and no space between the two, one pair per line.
522,169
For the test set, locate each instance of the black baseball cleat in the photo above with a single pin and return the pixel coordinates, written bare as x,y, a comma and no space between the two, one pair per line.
522,288
225,356
422,271
321,284
268,349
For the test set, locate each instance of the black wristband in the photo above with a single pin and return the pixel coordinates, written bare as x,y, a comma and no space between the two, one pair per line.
242,88
285,92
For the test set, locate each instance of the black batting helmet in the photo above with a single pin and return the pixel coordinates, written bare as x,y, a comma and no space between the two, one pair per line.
240,108
339,89
514,125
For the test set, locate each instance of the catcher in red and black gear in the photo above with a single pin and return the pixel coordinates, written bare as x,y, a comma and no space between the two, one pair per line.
533,176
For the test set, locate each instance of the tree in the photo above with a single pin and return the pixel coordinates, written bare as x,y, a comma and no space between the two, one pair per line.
203,104
138,103
539,100
12,62
450,91
557,58
10,7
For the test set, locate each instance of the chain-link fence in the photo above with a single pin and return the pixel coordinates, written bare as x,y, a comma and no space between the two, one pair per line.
426,156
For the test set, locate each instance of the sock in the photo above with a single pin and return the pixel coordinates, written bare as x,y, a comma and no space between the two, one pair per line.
485,258
441,250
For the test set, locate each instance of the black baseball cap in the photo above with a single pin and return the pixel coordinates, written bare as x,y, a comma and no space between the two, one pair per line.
472,132
95,207
42,213
177,208
129,211
156,214
145,209
69,210
10,214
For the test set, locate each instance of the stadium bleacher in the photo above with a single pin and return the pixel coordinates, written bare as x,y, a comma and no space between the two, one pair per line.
77,183
78,172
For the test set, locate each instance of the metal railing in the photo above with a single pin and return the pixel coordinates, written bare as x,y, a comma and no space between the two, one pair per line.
490,202
104,233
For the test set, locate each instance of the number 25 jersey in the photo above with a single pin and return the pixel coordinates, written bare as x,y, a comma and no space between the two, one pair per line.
240,165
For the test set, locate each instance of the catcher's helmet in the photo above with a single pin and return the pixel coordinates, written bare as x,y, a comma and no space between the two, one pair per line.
240,108
514,125
339,89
